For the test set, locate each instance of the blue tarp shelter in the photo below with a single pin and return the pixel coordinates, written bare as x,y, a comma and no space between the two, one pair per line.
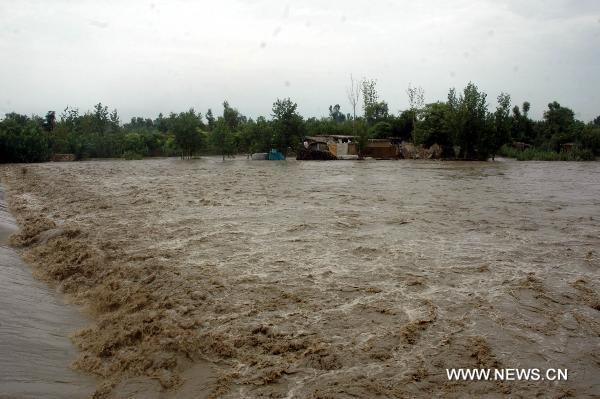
275,155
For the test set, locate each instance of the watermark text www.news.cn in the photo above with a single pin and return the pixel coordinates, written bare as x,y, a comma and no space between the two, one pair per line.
508,374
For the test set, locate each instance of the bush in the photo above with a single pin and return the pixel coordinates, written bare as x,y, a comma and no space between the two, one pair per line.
134,143
22,140
381,130
130,155
590,138
536,154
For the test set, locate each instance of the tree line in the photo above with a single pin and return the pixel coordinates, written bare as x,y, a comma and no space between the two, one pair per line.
464,125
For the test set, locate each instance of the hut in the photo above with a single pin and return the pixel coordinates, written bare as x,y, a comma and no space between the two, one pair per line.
382,149
314,149
341,146
567,147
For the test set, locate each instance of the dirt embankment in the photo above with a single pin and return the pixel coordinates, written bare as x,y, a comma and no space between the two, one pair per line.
205,279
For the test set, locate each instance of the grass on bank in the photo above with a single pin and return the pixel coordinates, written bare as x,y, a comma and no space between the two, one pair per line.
536,154
131,156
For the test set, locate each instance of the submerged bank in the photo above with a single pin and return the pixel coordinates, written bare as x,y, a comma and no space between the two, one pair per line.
35,351
334,280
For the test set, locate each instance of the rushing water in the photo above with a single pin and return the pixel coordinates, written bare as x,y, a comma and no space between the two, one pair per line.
35,351
346,279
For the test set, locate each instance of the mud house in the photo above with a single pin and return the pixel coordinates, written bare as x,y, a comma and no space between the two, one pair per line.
346,147
567,147
315,149
342,147
383,148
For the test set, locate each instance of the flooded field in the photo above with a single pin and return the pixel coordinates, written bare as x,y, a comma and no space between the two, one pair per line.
320,279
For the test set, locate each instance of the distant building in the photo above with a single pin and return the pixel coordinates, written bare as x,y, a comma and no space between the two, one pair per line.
383,148
346,147
341,146
567,147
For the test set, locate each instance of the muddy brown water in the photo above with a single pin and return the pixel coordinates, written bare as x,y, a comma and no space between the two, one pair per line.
329,279
35,324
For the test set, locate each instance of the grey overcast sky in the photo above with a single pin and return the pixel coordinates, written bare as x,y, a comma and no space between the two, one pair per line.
146,57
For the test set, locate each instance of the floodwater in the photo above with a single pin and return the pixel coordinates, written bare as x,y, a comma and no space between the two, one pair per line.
322,279
35,351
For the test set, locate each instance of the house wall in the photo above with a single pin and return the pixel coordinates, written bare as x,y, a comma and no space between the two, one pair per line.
352,149
321,147
381,150
332,148
342,149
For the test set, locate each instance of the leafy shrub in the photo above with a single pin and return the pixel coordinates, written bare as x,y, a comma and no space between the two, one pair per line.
22,140
130,155
536,154
381,130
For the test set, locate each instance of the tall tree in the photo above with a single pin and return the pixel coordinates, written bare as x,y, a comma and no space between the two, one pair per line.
434,125
258,135
186,128
161,123
222,138
375,110
353,93
469,122
22,140
558,118
49,121
335,114
522,126
559,127
210,119
287,123
526,108
232,117
416,100
502,125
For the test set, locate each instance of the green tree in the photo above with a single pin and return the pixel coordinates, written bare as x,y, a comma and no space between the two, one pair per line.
287,124
186,129
232,117
521,124
558,118
433,126
502,125
403,125
222,138
161,123
257,136
416,100
469,122
326,126
374,110
22,140
381,130
210,120
49,121
335,114
134,146
590,138
559,127
362,136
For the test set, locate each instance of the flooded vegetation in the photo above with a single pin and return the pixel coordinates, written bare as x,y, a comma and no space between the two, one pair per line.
204,278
